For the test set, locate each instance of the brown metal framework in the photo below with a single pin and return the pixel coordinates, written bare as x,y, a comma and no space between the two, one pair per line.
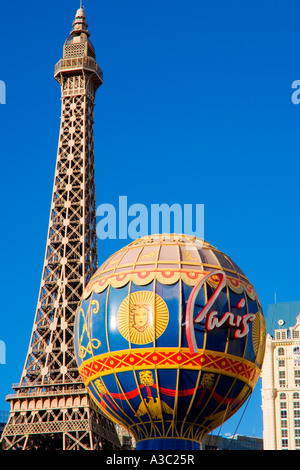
50,408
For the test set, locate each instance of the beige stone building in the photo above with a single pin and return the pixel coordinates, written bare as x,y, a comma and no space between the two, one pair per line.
281,378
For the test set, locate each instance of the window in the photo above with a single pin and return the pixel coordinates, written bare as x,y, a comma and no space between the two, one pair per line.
297,378
280,352
283,405
297,443
297,423
282,396
296,413
285,443
281,378
284,433
283,414
296,352
295,334
284,423
296,361
281,363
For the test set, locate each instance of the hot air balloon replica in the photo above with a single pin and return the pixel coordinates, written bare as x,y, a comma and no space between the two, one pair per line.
169,340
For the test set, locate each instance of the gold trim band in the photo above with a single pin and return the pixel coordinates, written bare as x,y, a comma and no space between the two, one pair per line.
169,358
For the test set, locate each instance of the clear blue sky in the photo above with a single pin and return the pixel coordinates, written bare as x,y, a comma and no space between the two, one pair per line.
195,108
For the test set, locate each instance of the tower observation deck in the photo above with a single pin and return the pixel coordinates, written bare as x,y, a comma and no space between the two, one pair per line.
50,408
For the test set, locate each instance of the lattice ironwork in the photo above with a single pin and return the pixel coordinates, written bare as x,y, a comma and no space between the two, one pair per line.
50,407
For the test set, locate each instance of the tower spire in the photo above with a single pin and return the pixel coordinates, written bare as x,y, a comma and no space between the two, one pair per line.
80,24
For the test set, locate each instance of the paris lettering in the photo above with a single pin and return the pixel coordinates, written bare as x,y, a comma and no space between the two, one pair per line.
239,322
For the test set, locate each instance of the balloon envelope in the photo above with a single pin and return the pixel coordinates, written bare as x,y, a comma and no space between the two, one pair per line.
169,339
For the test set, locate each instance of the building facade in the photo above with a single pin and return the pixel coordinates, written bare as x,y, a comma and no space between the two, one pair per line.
4,415
281,378
236,442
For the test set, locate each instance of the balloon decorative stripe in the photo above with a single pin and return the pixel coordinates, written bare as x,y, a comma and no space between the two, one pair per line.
168,277
171,358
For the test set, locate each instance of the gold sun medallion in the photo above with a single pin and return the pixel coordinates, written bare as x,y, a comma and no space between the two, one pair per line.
142,317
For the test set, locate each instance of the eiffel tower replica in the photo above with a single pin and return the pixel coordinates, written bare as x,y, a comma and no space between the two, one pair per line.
50,407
